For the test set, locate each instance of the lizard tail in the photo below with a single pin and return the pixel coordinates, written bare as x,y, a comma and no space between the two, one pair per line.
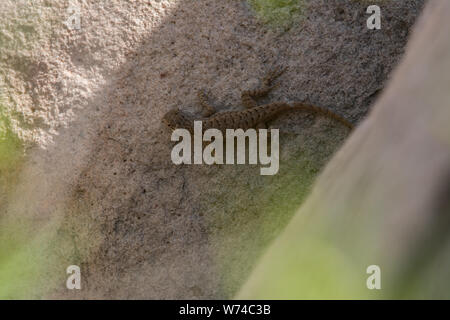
323,111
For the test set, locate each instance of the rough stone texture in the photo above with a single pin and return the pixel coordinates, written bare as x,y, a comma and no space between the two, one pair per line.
141,227
384,197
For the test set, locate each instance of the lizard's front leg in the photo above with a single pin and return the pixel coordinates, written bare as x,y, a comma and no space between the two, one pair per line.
248,97
208,110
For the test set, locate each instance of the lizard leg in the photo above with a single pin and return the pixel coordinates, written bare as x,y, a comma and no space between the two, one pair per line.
261,125
248,97
208,110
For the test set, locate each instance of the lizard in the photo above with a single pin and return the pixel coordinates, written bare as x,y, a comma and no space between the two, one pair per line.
253,116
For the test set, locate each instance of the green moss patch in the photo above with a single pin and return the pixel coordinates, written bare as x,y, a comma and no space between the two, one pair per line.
278,13
11,146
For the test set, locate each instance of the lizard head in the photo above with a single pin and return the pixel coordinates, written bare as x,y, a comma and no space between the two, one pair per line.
175,119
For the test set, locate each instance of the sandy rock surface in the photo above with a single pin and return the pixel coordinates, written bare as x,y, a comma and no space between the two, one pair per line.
383,199
98,173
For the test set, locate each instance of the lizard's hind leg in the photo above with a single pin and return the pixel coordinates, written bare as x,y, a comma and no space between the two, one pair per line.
248,97
208,110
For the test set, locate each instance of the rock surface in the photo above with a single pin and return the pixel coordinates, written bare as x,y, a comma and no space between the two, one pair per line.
384,197
103,182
